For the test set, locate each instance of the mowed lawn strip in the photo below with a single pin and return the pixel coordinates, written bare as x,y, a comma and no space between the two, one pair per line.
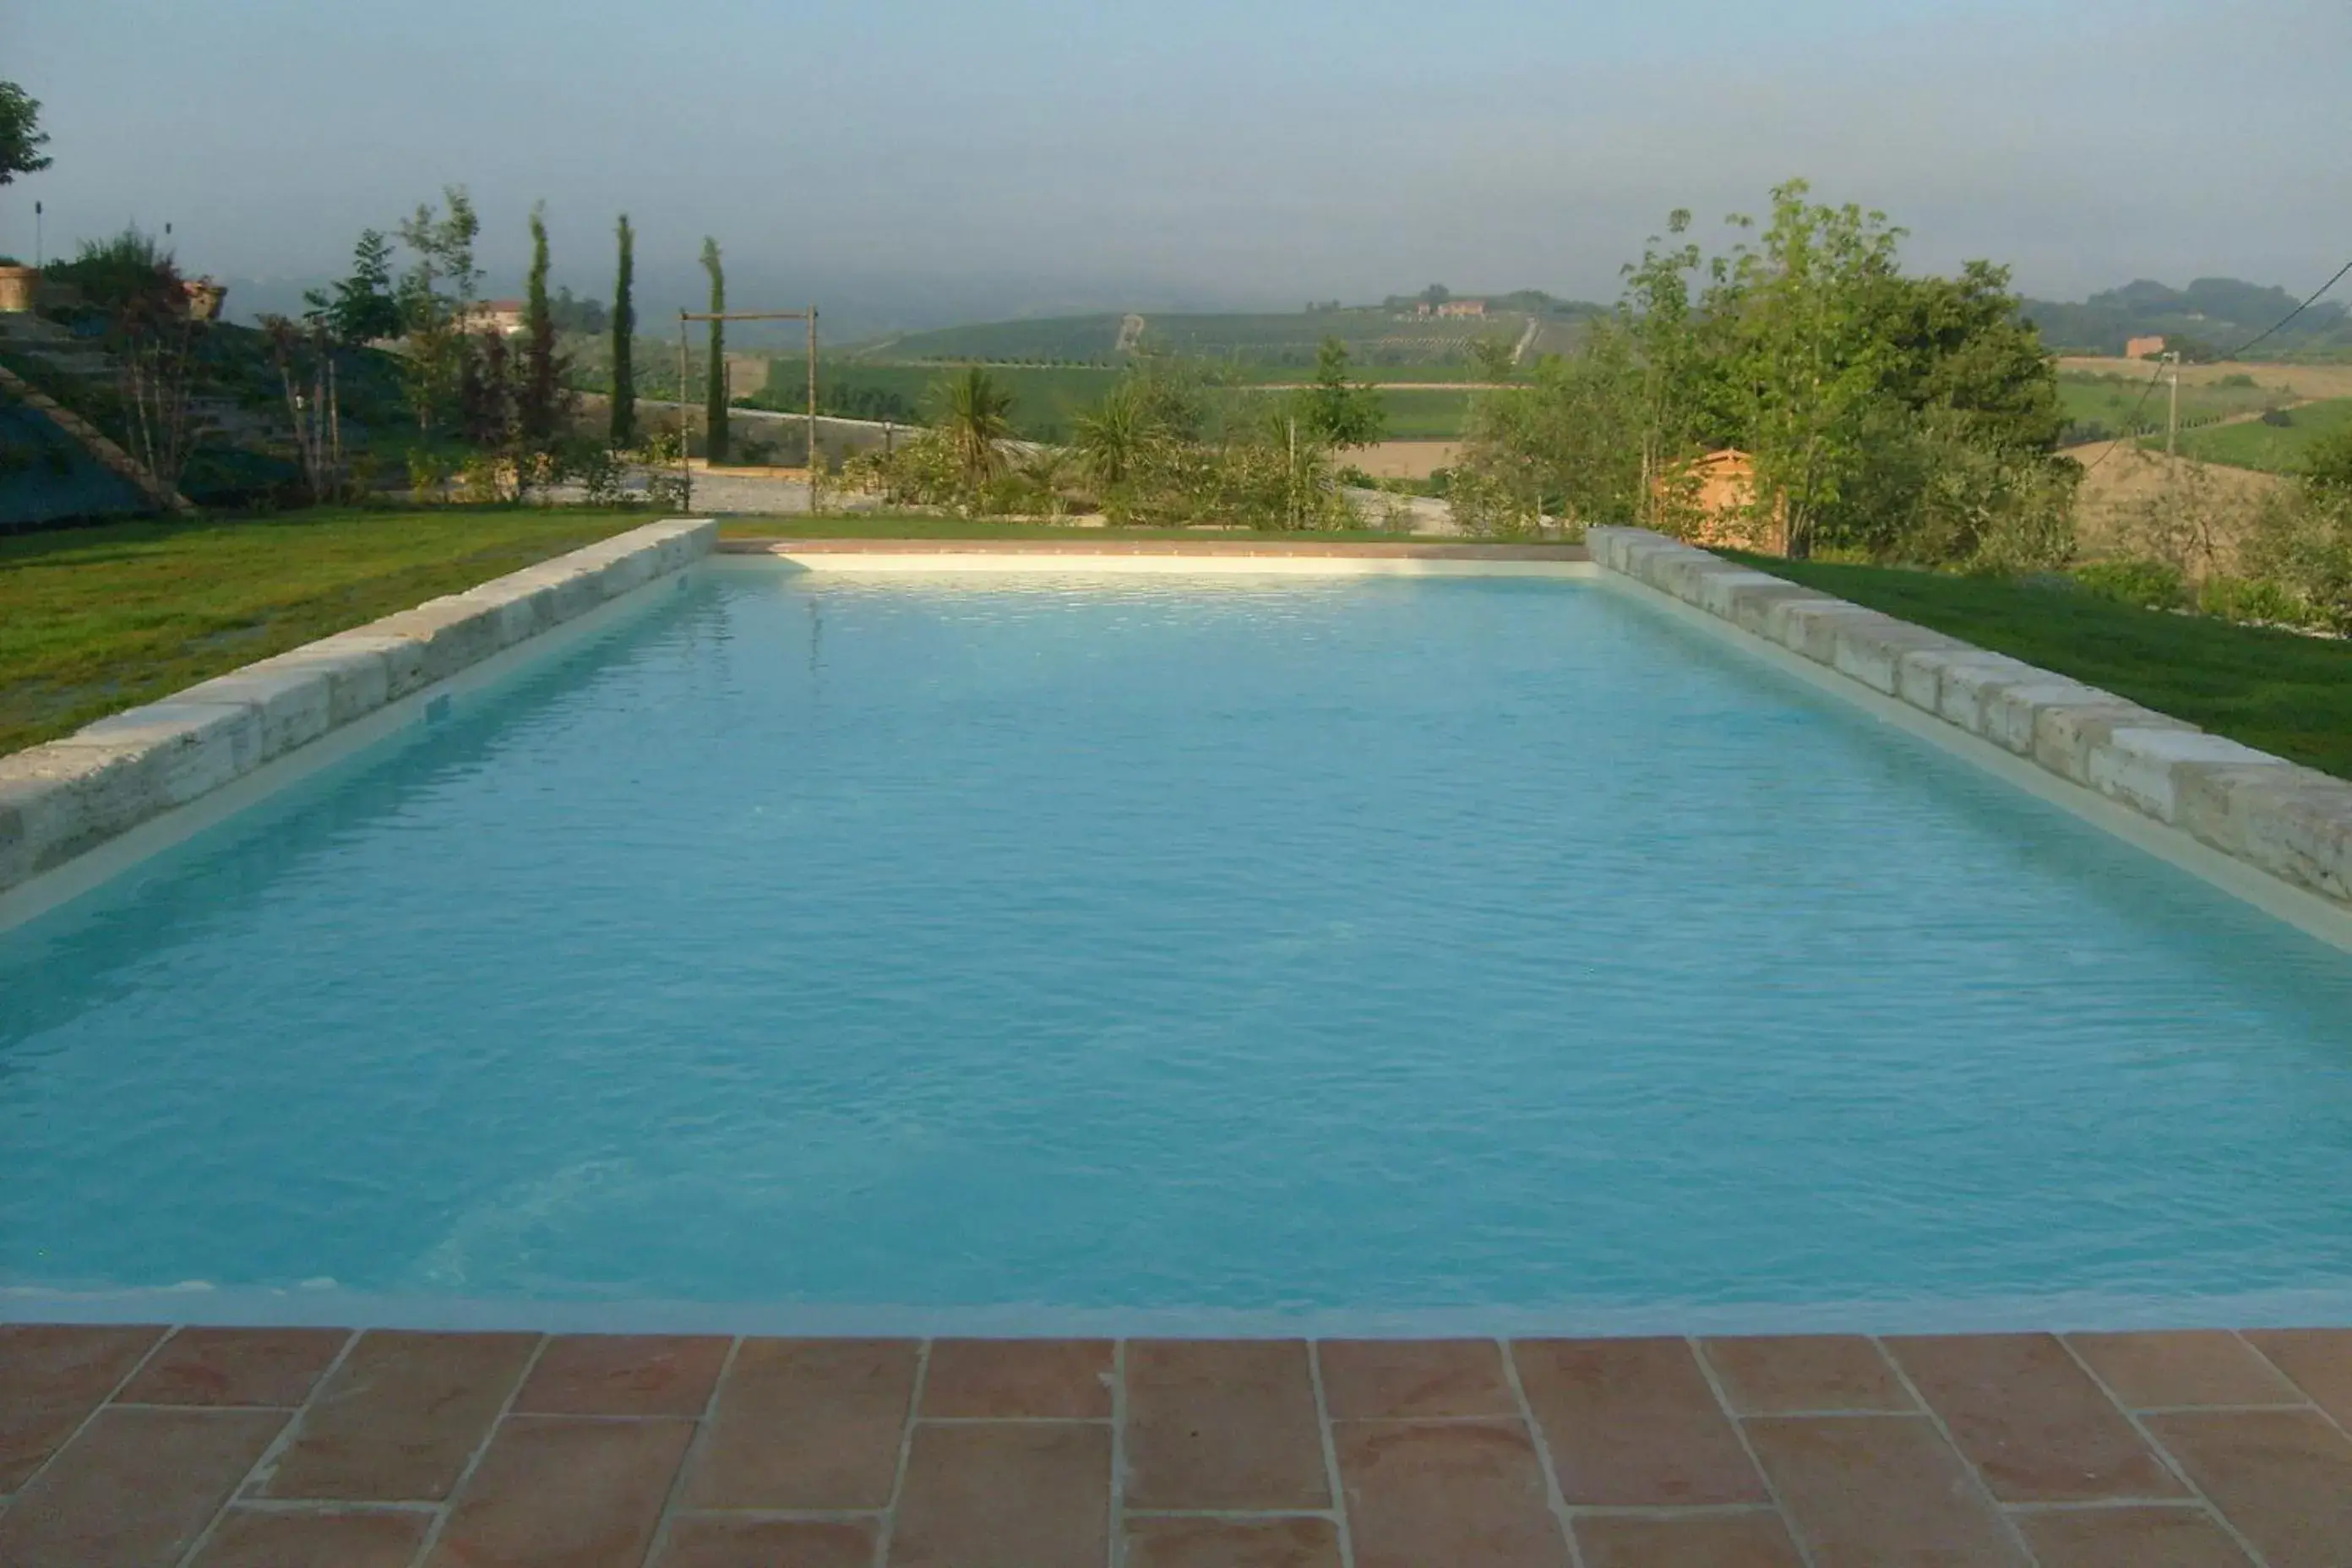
2286,694
94,620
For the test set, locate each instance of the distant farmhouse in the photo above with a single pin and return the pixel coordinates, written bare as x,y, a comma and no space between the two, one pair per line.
493,318
1452,308
2143,348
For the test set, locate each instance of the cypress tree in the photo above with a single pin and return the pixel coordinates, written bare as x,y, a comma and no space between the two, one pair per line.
624,331
536,416
714,411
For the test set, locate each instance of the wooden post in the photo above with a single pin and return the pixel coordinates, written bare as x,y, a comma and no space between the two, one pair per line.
685,473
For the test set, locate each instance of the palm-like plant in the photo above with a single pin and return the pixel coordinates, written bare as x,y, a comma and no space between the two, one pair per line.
976,415
1113,437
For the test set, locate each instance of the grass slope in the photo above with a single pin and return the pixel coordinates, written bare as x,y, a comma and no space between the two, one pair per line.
2286,694
93,620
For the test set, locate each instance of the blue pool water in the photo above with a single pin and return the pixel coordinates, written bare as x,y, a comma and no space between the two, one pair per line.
1494,948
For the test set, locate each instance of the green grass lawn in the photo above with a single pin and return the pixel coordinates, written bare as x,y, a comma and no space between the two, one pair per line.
93,620
2274,448
2286,694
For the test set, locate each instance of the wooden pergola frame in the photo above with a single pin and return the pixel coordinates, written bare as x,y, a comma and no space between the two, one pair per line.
809,316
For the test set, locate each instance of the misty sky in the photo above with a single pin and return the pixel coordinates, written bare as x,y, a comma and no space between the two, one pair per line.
1004,156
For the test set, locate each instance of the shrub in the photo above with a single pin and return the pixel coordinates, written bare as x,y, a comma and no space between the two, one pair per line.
132,269
2278,417
2151,584
2256,599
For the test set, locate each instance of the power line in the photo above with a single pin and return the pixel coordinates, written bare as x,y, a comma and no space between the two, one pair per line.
2130,422
2238,352
2291,315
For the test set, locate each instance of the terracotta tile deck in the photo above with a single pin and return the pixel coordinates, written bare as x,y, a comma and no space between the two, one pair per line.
300,1448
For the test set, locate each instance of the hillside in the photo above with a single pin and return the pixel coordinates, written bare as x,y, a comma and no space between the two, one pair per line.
1391,334
2210,317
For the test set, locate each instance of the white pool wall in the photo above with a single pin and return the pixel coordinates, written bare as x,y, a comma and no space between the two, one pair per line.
2291,822
214,746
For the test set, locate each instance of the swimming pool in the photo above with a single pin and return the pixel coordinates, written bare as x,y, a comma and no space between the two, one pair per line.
1038,953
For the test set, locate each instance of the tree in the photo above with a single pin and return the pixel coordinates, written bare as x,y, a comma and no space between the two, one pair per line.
714,397
1495,358
976,415
436,298
536,405
21,136
625,328
1338,412
362,308
1810,361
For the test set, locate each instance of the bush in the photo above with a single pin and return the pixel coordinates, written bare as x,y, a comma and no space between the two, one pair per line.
132,269
2278,417
2151,584
2256,599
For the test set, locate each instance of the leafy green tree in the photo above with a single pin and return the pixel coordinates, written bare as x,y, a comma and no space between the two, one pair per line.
1338,412
361,308
976,418
1810,359
21,136
436,296
1960,344
625,330
536,411
714,396
1497,358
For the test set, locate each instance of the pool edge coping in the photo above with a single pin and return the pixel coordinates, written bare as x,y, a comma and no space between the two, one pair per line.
75,812
2213,805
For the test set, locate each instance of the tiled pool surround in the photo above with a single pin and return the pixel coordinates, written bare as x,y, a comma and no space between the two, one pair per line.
317,1448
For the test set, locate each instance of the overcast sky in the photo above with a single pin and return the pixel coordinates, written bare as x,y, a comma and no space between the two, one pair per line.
1030,154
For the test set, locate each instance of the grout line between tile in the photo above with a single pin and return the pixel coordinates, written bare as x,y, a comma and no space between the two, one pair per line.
2308,1401
1116,1548
1554,1499
2163,1454
474,1462
787,1515
1673,1511
83,1425
267,1464
1738,1430
882,1537
1013,1420
1936,1419
1240,1514
2216,1409
659,1545
1343,1525
2109,1505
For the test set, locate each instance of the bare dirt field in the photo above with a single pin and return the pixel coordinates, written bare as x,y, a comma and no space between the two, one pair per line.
2119,490
2307,381
1406,459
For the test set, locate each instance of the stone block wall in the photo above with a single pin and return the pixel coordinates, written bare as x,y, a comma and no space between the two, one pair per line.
2289,821
63,799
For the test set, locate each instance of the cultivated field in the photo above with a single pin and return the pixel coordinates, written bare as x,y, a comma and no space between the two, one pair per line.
1375,338
2272,448
2296,380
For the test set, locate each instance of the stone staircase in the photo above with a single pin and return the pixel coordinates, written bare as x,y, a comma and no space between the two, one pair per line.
74,357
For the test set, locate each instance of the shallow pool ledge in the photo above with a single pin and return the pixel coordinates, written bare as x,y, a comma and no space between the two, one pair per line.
62,800
2292,822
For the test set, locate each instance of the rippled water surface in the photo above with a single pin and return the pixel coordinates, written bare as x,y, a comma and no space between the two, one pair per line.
1363,946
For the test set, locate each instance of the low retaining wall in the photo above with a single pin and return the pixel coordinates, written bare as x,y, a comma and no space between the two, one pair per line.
2290,821
63,799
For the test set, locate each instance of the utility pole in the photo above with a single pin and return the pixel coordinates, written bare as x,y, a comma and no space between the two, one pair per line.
2172,443
812,463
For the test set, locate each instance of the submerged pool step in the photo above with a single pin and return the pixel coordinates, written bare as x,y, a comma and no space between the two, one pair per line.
2289,821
